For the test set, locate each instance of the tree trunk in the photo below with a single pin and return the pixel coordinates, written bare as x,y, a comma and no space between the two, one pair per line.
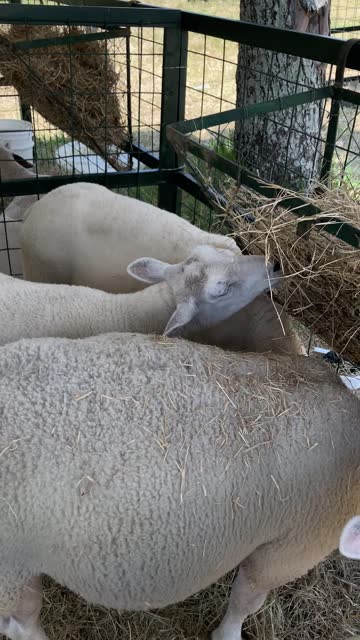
284,146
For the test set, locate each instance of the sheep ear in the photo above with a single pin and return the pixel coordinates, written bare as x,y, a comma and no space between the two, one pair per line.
350,539
148,270
183,314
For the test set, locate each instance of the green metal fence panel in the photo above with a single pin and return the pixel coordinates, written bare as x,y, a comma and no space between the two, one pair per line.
95,16
146,178
242,113
178,135
321,48
172,106
61,41
179,72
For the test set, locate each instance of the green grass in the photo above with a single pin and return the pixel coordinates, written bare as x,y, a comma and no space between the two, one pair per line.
350,179
224,146
45,146
343,12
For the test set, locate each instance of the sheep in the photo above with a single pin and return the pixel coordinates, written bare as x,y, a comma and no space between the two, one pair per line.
137,470
188,297
85,234
13,167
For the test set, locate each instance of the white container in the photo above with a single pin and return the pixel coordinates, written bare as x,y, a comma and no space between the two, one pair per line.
18,134
75,156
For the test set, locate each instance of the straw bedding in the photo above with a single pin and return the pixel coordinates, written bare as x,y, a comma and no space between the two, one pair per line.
323,605
74,87
321,284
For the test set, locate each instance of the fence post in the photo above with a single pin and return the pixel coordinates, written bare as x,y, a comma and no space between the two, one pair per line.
330,142
336,101
172,108
25,109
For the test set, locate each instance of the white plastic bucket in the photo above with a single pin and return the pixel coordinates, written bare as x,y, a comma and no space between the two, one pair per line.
18,134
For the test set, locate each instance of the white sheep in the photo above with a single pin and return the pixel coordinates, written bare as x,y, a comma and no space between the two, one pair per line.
85,234
13,167
137,470
188,297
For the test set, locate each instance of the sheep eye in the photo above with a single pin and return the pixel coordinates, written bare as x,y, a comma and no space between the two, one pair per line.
221,289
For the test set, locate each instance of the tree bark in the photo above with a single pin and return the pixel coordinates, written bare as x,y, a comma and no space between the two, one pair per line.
282,147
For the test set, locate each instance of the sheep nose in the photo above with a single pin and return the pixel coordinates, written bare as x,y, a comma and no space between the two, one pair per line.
277,266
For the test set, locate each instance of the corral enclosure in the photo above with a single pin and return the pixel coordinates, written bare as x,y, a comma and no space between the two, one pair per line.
152,69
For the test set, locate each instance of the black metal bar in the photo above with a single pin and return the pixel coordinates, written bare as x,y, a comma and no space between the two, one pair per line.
187,183
172,108
304,45
60,41
128,91
82,15
120,4
120,180
346,29
142,154
347,95
355,78
330,143
25,109
346,232
98,3
242,113
183,74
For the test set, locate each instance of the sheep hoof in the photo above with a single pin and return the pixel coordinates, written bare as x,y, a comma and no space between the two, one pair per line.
233,634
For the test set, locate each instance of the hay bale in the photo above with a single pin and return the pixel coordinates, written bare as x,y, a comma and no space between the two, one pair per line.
73,86
325,604
321,284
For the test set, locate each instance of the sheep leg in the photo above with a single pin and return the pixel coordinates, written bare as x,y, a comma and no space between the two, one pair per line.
21,621
267,568
245,599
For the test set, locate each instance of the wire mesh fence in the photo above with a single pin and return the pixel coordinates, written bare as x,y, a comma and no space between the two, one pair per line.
345,18
120,75
129,66
134,102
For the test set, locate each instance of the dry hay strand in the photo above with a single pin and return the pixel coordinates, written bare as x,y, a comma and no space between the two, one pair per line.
321,274
324,604
74,87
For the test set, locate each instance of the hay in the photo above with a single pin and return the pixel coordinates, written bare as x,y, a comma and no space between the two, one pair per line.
74,87
321,283
323,605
